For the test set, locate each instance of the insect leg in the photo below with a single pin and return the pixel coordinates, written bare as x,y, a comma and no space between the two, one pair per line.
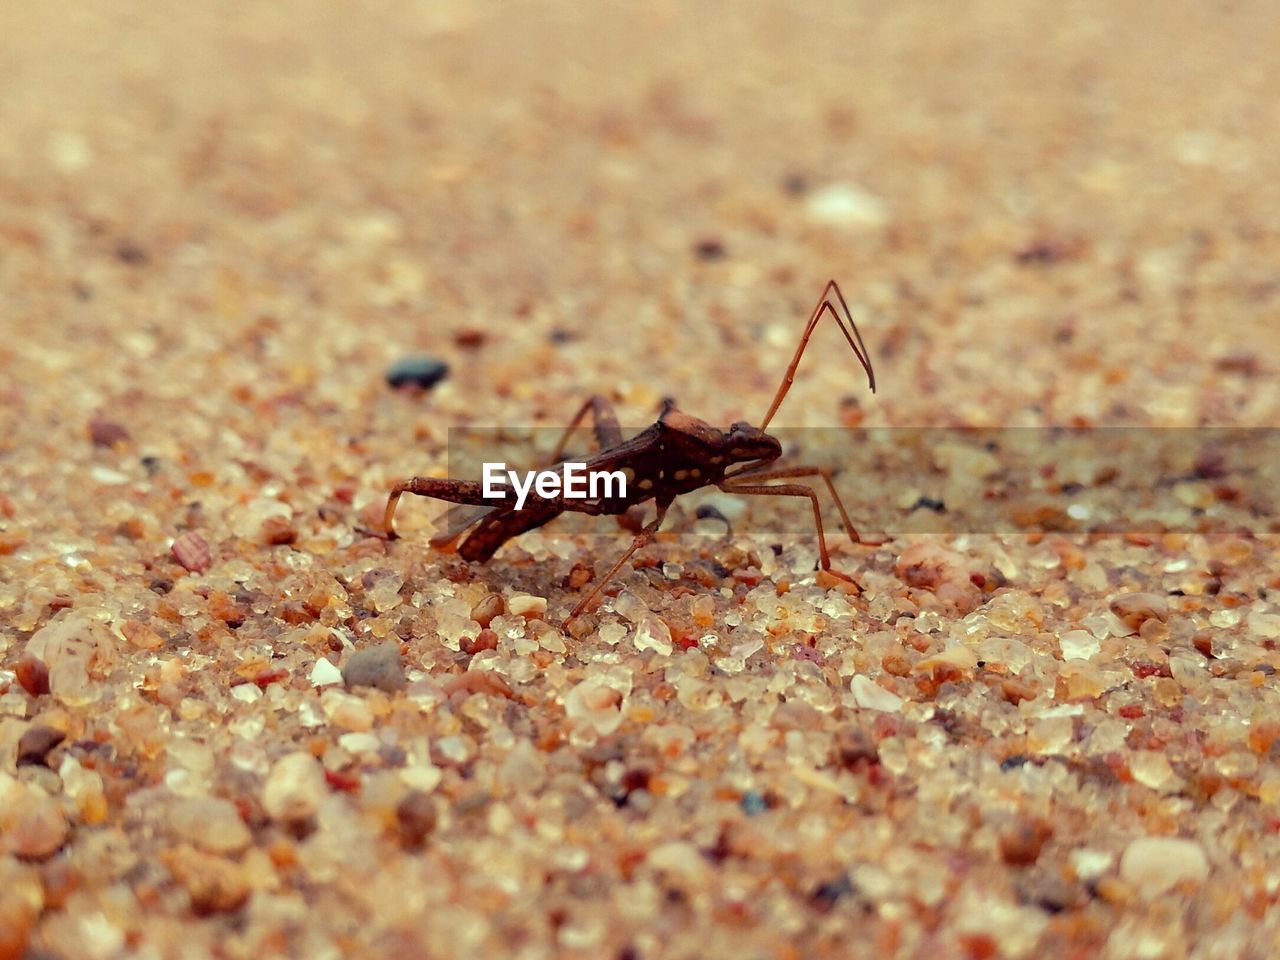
783,473
645,536
603,420
788,490
441,488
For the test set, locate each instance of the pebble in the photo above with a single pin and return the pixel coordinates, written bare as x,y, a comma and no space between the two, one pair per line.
487,609
526,605
346,710
32,824
32,674
77,636
416,819
1021,842
1078,645
653,634
211,823
294,788
1155,865
107,433
324,674
1151,769
871,696
192,552
630,606
378,666
214,885
419,371
1135,609
36,742
595,703
945,573
846,204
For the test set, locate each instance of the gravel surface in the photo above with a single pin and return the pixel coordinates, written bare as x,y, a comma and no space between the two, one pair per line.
255,264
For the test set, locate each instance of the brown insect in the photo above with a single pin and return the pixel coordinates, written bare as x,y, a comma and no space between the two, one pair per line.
676,455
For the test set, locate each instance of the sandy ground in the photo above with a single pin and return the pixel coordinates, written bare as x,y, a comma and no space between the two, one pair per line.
233,724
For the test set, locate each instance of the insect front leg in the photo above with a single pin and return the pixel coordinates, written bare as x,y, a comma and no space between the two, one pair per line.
439,488
751,483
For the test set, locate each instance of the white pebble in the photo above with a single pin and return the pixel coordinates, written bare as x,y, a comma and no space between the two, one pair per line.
1157,864
294,788
523,604
324,674
653,634
1078,645
870,695
846,204
596,704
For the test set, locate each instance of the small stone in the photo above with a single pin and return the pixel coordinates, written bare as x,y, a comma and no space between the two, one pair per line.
630,606
653,634
1151,769
377,667
36,742
846,204
32,674
76,636
522,772
1020,842
278,531
294,788
1051,735
419,371
107,433
596,704
1135,609
945,573
214,885
871,696
211,823
416,818
141,635
32,824
487,609
384,593
525,605
1078,645
1155,865
192,552
324,674
346,710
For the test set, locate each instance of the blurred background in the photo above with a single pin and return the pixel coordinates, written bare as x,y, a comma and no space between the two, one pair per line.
247,214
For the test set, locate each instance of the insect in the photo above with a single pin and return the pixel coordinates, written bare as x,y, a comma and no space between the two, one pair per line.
676,455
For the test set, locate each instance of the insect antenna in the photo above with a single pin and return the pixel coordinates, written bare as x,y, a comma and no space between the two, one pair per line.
850,332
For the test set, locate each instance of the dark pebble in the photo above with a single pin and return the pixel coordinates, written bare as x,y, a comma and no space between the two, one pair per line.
709,249
107,433
416,818
753,803
930,503
422,372
32,674
375,667
827,895
35,744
